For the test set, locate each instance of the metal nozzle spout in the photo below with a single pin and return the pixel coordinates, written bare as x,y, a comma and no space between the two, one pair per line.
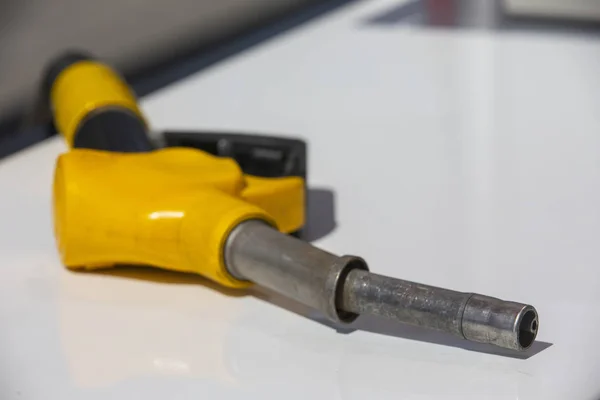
503,323
343,288
471,316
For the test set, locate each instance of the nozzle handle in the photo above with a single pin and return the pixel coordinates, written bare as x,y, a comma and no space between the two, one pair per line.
93,107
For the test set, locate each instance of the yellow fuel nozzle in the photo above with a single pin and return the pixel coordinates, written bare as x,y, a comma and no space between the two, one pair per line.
117,201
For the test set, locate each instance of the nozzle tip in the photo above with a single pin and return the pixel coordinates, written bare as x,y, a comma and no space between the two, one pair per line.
502,323
527,327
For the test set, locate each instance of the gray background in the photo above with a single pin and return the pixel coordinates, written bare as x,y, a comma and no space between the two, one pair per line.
131,34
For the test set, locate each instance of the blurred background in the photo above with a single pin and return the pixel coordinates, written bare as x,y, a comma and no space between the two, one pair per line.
155,42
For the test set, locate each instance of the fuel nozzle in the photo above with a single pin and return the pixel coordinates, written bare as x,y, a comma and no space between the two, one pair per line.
119,201
342,288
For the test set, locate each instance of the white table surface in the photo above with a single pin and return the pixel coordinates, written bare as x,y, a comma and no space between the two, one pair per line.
458,158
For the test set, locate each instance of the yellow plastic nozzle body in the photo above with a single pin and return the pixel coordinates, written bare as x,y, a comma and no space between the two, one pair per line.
172,208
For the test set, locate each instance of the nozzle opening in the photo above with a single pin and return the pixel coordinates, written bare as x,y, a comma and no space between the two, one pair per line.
528,328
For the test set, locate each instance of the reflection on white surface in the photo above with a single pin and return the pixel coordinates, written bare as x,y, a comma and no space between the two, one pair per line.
163,324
